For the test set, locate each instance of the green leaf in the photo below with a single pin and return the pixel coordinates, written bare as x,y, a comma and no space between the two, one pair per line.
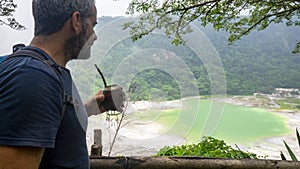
298,137
282,156
292,155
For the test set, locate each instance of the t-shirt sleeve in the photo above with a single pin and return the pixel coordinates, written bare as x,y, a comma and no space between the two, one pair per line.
30,108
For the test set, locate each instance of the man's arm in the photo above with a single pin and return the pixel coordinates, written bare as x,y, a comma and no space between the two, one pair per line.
20,157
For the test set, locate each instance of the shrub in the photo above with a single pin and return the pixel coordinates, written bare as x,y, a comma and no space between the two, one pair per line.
208,147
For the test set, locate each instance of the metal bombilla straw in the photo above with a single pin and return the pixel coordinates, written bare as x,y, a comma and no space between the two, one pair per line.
103,79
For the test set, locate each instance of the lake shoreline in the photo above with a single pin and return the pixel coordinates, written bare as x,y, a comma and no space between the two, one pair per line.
146,139
270,147
275,144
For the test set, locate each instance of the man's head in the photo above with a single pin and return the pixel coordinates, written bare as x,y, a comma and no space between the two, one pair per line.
51,16
79,46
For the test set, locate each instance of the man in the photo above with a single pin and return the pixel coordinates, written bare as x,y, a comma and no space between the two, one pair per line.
33,131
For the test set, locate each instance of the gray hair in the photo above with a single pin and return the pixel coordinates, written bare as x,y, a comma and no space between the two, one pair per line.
50,15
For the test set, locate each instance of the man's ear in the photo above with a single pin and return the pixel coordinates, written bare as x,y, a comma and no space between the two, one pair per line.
76,23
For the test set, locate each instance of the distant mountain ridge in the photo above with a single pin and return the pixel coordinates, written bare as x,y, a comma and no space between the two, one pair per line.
259,62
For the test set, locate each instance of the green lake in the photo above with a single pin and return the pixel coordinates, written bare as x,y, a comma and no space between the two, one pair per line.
198,117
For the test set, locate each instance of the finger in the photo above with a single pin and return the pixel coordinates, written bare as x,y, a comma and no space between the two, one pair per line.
100,97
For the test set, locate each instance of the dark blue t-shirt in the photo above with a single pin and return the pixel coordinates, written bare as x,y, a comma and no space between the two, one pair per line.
30,112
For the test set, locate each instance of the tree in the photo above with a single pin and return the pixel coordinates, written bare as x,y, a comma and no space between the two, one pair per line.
238,17
7,8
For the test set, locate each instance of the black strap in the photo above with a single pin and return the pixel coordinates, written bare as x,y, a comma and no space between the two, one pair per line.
67,99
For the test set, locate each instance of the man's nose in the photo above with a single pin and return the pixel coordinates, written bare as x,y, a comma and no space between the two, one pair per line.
95,37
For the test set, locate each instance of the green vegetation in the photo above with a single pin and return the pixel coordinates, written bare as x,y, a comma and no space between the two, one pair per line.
291,153
208,147
259,62
290,103
7,8
237,17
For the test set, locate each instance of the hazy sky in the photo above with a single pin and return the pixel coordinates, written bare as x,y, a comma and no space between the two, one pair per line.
23,14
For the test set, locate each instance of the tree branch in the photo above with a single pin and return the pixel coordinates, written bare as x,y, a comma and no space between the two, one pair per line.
265,17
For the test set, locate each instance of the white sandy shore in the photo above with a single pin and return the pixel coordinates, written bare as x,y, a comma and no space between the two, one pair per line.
145,139
135,138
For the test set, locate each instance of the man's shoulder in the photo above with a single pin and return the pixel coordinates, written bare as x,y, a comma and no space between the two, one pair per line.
15,71
25,64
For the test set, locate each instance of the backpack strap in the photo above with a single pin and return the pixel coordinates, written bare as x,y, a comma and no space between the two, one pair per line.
67,99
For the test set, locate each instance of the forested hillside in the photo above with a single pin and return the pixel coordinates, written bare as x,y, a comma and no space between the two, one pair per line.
259,62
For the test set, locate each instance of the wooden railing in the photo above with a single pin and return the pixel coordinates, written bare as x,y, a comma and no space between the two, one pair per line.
187,163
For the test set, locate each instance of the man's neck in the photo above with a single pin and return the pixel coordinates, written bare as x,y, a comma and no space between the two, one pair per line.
53,46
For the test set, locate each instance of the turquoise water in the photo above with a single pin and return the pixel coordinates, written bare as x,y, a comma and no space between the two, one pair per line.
236,124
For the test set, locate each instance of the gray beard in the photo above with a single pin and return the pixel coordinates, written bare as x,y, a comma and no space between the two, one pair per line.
74,45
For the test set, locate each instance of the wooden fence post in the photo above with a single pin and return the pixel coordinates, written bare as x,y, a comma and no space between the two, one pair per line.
96,149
